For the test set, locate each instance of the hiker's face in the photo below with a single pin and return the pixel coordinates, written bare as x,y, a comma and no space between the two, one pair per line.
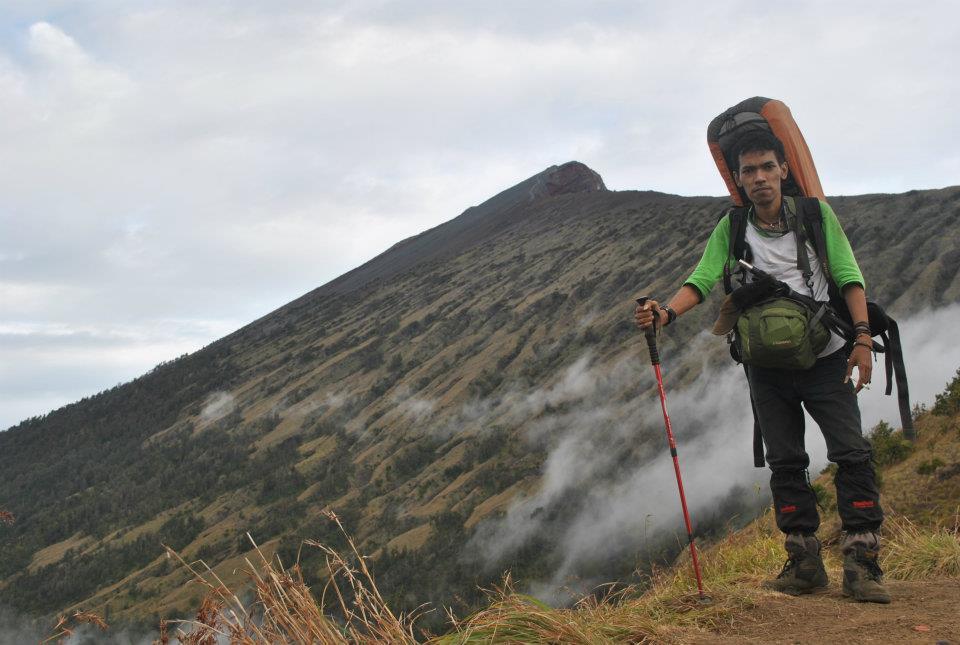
760,175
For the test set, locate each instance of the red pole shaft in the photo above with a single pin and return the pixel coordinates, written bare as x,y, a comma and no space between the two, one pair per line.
676,468
651,335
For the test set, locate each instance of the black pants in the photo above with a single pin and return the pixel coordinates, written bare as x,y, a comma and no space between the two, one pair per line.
778,395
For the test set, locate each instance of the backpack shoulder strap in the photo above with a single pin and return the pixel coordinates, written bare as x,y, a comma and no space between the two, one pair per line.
739,249
809,214
759,457
798,215
894,360
811,218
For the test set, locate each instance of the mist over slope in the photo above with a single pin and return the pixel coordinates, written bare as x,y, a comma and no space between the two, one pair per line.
474,399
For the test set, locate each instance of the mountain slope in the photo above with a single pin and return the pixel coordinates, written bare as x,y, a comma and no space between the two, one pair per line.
417,395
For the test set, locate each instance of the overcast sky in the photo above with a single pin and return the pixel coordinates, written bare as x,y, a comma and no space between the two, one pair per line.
174,170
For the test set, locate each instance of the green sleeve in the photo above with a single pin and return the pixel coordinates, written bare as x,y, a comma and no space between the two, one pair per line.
843,265
710,268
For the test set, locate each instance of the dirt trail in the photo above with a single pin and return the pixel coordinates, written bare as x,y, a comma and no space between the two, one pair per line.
921,612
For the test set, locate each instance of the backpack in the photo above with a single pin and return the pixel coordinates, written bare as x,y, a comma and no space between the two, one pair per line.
803,183
809,225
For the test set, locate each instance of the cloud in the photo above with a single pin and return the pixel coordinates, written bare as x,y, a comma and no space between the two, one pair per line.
417,409
589,441
217,406
217,160
44,366
931,362
17,629
54,46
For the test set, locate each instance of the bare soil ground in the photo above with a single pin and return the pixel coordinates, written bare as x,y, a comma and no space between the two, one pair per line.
921,612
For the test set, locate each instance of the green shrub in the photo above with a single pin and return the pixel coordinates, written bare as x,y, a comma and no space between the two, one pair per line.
948,403
396,363
919,409
889,446
928,467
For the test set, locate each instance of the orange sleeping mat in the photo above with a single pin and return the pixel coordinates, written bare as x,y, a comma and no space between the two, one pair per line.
773,116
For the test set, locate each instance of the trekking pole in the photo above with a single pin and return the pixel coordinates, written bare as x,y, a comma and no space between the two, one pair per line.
651,335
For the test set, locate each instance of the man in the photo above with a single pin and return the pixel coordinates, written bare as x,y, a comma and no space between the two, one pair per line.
825,389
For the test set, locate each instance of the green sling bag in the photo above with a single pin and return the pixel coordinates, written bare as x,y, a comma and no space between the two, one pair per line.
781,334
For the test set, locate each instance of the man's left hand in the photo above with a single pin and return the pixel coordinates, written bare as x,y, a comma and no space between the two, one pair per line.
861,359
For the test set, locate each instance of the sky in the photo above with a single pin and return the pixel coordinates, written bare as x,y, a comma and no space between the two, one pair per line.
174,170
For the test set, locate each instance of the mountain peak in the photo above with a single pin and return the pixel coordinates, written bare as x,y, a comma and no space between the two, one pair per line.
571,177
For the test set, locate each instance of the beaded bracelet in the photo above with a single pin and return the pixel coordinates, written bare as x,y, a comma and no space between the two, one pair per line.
870,347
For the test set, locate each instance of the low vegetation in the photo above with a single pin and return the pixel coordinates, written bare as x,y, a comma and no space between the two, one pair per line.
912,552
350,608
948,402
285,609
889,445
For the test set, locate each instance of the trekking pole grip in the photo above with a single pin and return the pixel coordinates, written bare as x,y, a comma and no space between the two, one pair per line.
651,334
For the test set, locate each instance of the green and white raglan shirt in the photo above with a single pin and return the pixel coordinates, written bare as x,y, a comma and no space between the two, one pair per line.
777,255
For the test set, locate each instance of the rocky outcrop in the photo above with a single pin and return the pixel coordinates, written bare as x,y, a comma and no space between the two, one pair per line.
571,177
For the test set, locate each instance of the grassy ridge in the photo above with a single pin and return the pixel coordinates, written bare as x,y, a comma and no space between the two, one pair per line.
285,609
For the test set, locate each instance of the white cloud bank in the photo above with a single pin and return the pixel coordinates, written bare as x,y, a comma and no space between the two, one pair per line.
213,161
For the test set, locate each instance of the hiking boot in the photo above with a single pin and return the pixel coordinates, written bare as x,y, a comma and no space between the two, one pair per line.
804,571
862,576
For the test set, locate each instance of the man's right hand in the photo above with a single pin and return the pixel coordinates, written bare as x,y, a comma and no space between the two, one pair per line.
643,315
753,292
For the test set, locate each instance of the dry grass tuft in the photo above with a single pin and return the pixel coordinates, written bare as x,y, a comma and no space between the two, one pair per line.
6,517
732,570
911,552
90,618
513,617
285,611
367,616
65,627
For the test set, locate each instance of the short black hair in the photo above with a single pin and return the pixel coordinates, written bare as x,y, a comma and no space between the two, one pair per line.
758,141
